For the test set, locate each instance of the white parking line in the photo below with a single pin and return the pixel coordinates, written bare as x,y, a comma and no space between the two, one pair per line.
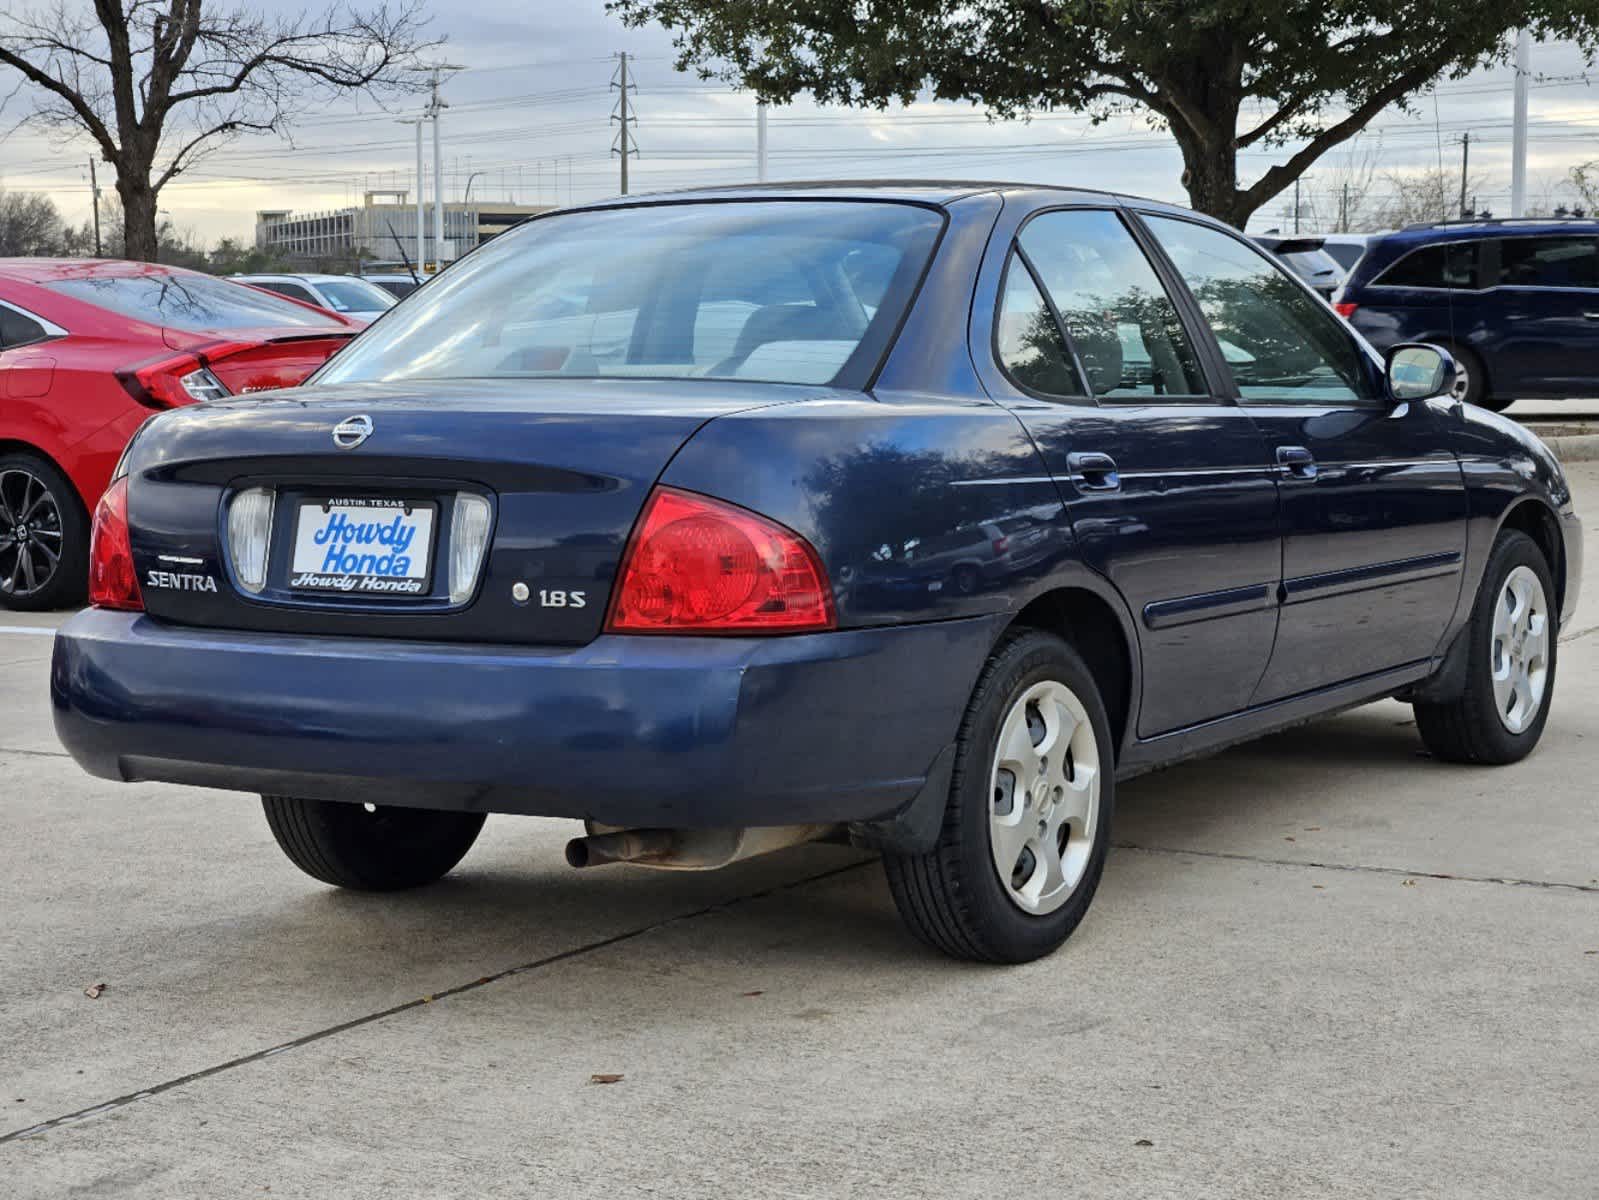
40,630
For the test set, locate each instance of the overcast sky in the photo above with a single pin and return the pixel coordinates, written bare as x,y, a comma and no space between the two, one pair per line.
530,120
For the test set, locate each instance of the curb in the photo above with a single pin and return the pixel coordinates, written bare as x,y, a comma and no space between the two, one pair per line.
1573,448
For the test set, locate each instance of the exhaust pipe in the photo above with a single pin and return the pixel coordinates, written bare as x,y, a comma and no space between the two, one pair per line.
687,849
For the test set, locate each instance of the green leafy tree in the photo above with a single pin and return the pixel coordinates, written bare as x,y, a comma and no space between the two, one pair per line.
1224,76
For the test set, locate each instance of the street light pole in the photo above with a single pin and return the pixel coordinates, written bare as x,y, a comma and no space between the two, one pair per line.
760,141
421,202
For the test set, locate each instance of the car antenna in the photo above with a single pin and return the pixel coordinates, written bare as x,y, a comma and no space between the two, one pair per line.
1449,291
404,257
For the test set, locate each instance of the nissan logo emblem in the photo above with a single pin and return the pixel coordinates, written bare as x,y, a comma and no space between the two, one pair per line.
351,432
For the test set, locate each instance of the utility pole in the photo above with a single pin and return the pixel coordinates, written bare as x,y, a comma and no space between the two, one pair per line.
760,141
94,186
1343,211
1518,134
623,144
1296,205
1465,162
436,106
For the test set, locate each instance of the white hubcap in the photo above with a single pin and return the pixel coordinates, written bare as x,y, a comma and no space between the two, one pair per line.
1519,657
1462,385
1044,797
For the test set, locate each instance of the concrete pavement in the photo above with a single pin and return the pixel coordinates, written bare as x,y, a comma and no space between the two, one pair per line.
1319,965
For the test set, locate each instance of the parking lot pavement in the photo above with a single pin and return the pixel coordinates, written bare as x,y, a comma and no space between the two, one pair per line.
1319,965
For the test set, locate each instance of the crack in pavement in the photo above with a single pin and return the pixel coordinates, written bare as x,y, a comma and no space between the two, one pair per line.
34,753
84,1114
1507,881
1580,633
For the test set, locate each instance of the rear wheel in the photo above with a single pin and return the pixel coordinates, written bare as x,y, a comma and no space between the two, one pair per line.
1510,670
1028,820
44,537
368,847
1471,382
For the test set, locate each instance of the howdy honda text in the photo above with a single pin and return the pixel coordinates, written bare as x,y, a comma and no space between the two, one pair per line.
355,583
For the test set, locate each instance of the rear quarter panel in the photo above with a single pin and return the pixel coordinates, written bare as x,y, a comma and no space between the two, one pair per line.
883,489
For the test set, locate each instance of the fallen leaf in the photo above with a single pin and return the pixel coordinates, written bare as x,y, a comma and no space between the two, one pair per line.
1408,883
93,990
1288,839
1591,951
1143,1142
1320,887
605,1078
757,992
1312,828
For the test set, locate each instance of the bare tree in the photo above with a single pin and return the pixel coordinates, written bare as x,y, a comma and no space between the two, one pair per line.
29,225
156,84
1583,179
1423,196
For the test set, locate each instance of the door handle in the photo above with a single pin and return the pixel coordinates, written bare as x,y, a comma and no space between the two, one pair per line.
1296,462
1094,472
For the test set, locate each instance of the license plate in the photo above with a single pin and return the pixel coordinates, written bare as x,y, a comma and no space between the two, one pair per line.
368,547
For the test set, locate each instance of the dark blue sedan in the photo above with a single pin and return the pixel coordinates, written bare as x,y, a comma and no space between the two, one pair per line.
1516,303
912,515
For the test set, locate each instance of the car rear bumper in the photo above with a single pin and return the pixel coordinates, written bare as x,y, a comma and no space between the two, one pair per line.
690,732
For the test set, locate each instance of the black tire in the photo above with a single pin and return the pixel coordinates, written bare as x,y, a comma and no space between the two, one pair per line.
57,521
1476,391
952,897
1468,729
381,849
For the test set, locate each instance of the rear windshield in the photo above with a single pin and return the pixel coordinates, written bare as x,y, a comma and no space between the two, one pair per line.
354,295
779,291
197,303
1345,254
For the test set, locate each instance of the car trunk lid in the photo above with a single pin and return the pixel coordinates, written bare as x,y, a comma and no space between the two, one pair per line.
564,467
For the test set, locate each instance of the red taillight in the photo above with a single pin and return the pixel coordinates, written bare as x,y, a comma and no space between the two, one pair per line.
112,582
1001,544
179,379
1346,309
697,565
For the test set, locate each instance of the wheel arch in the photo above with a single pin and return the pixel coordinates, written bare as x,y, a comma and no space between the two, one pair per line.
1538,521
1098,630
11,445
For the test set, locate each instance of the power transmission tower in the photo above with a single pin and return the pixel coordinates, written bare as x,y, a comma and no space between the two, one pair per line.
624,145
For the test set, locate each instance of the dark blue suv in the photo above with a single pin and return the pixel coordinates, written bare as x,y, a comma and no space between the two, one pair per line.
1516,302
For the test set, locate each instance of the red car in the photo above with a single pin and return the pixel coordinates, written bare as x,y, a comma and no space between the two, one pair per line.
88,349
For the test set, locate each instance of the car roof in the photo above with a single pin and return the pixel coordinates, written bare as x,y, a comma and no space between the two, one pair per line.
921,191
1444,231
297,277
47,270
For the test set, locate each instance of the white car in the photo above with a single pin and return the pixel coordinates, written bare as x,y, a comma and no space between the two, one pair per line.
347,295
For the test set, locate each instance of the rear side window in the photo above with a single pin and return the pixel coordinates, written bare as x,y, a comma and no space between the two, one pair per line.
197,303
776,291
292,290
1552,262
17,329
1448,265
1027,340
1121,322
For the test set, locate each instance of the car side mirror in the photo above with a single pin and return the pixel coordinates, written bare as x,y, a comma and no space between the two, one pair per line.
1419,371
